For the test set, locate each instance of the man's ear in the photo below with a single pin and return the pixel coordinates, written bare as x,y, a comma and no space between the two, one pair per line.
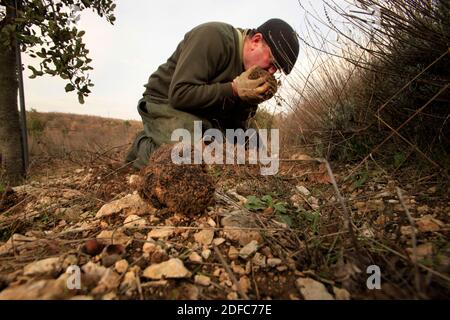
257,37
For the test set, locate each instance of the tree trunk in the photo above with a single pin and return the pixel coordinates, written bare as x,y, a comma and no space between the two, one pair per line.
10,134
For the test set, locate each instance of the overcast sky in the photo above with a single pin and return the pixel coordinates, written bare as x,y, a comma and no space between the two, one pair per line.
144,35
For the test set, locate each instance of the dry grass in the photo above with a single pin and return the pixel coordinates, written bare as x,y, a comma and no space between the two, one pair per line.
381,119
76,137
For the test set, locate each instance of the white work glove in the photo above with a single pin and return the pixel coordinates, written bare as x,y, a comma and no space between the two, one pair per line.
250,90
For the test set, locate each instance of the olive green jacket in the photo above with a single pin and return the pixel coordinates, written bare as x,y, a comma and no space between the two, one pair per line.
197,78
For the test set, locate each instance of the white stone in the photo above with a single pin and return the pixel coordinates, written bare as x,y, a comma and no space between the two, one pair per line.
42,290
134,179
16,240
341,294
43,267
202,280
129,282
109,281
195,257
232,296
174,268
233,224
110,296
244,282
303,190
206,254
314,203
249,249
218,241
134,222
149,247
312,289
296,200
160,233
211,222
94,271
121,266
114,237
204,237
82,297
132,204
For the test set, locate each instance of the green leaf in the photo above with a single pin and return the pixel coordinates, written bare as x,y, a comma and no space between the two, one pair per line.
313,218
69,87
80,98
280,207
254,203
285,219
59,43
268,199
32,69
79,63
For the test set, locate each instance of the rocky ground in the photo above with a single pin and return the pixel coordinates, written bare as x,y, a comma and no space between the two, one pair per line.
277,237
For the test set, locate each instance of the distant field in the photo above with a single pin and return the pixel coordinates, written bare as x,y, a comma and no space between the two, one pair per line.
63,134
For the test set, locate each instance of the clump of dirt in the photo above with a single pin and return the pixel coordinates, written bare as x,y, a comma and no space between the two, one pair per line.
273,85
181,188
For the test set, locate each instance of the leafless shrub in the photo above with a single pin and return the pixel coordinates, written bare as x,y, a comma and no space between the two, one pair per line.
376,66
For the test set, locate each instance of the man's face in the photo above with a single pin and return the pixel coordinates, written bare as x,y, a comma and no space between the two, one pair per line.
257,52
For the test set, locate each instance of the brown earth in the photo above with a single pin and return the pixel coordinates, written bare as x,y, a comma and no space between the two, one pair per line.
89,214
273,85
181,188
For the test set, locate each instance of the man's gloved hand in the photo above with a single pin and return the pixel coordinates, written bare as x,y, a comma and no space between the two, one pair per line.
253,85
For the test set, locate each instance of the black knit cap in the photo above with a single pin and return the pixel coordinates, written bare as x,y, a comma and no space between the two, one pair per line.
282,41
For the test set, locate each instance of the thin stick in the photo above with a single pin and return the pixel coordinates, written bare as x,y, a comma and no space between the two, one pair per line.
117,170
15,206
347,222
139,287
230,273
414,240
408,142
258,297
409,82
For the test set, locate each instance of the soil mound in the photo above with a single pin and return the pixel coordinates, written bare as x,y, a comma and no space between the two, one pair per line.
181,188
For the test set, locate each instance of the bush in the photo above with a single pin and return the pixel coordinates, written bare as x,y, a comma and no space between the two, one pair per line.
35,125
264,119
354,106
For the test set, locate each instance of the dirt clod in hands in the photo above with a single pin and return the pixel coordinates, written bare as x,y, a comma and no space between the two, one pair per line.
181,188
273,85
